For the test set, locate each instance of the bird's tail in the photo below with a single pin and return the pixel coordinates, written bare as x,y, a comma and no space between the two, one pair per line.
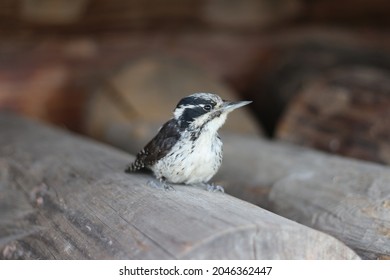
130,168
135,166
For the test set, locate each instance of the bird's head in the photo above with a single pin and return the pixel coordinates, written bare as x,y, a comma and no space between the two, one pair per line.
205,111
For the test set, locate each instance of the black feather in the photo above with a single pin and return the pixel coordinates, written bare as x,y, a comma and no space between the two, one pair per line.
193,100
158,147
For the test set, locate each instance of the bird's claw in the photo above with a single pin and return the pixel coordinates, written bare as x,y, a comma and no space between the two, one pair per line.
160,185
214,188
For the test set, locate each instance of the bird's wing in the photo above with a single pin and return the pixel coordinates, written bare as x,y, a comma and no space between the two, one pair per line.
158,147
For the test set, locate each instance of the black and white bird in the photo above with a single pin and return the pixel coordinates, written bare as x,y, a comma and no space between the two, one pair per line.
187,149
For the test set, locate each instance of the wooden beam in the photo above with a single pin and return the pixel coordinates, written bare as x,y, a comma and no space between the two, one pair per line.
73,201
346,198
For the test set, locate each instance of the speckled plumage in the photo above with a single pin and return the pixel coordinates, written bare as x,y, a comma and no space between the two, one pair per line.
187,149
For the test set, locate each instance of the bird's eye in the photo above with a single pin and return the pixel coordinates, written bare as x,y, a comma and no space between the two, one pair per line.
207,107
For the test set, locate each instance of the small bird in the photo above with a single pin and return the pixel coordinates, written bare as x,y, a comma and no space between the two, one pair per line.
187,149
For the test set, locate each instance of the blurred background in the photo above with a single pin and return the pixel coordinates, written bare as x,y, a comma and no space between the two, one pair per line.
317,70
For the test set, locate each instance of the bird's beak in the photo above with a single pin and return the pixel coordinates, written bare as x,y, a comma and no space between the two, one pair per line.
229,106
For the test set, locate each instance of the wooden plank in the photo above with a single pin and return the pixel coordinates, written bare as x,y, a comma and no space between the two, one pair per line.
81,205
346,198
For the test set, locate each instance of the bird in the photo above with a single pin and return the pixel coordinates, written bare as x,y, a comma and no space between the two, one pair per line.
187,148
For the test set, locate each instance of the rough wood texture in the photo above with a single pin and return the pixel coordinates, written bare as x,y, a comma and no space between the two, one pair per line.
345,112
75,202
346,198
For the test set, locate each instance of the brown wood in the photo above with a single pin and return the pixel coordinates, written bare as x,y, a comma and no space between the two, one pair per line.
72,200
344,112
346,198
296,59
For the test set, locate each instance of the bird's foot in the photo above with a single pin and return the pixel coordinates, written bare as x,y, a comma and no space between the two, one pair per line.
162,185
214,188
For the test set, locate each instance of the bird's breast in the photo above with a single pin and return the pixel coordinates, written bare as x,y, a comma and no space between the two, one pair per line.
191,160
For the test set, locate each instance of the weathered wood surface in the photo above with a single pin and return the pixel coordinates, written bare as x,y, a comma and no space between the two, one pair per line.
64,197
346,198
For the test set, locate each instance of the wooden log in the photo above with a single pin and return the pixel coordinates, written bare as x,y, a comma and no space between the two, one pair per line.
77,203
346,198
300,57
148,89
344,112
